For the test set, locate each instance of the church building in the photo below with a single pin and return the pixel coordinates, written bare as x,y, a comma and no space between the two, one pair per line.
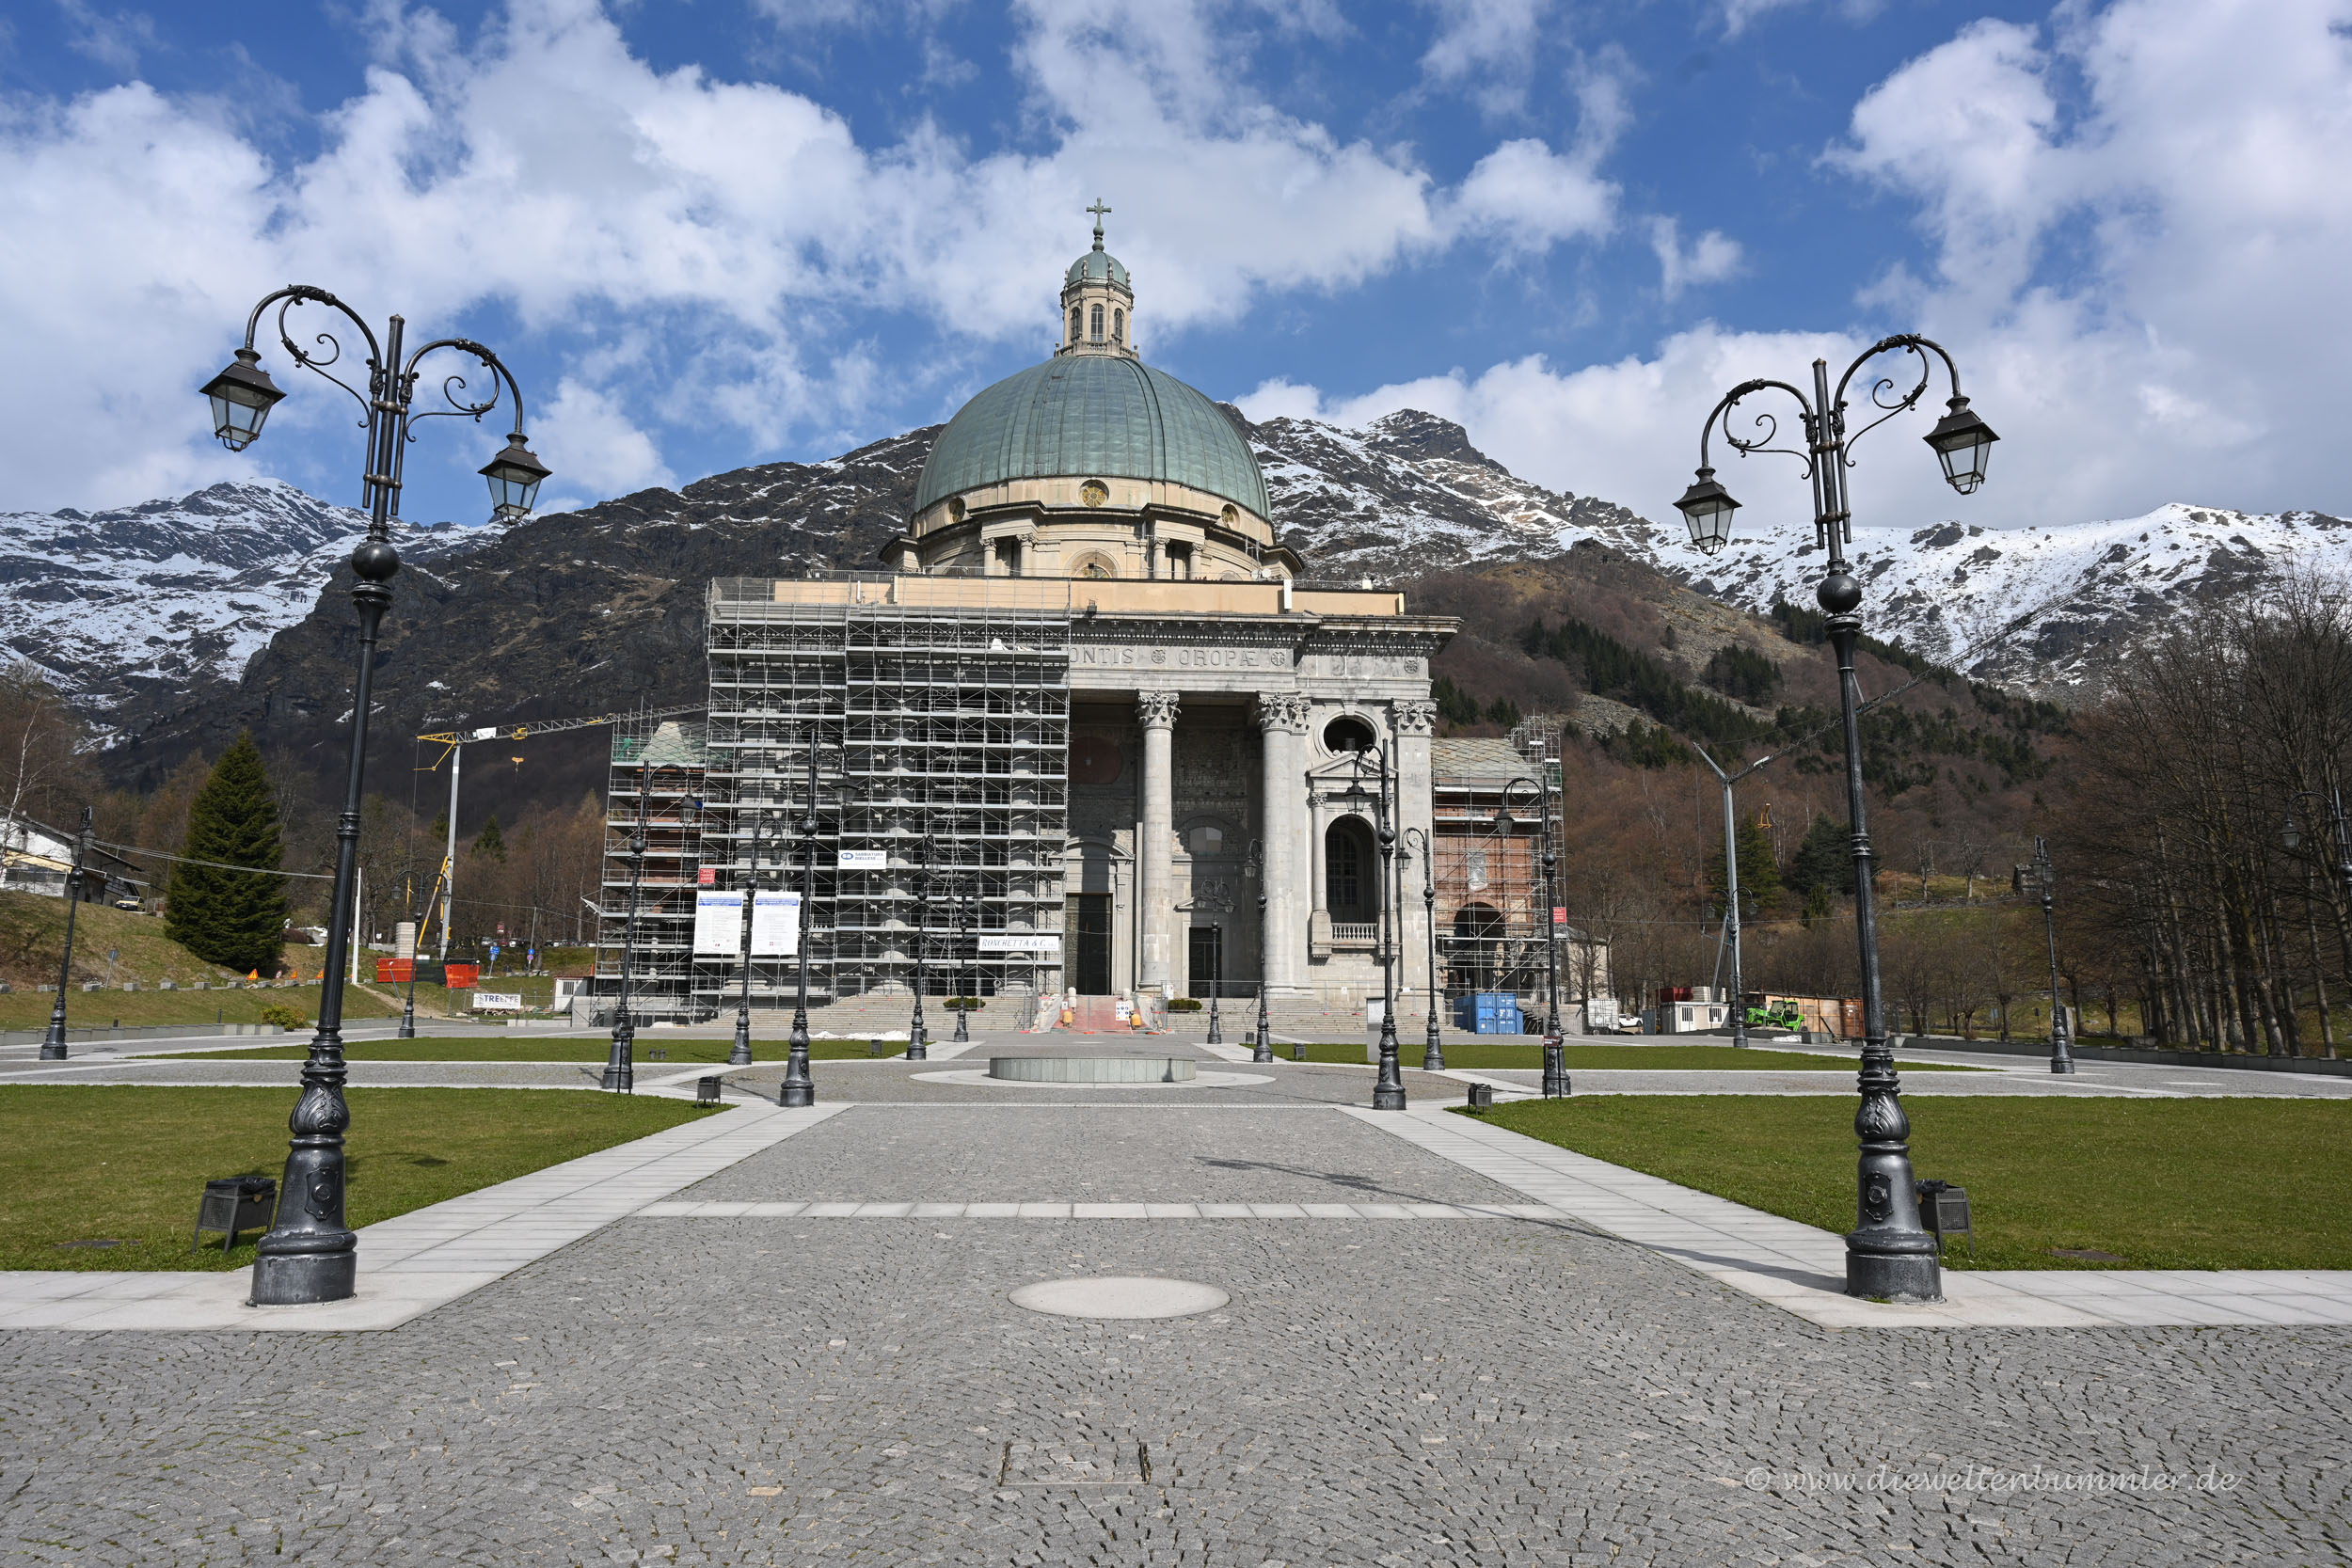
1090,727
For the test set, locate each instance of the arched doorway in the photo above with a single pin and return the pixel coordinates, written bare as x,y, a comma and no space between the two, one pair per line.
1477,958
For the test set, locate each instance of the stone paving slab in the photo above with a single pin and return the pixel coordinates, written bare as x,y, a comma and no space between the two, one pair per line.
688,1208
425,1259
1803,1270
1126,1153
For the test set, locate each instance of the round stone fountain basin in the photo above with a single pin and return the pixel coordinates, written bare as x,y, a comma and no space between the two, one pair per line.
1092,1070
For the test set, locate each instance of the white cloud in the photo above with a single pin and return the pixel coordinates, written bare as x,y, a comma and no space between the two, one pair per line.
605,451
739,234
1532,198
2138,225
1709,259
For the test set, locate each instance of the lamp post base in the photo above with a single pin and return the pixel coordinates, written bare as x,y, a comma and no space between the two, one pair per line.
307,1279
620,1068
1876,1272
1556,1069
1433,1054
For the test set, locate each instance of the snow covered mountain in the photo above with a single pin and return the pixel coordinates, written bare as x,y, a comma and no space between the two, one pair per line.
114,605
1409,493
2096,588
157,617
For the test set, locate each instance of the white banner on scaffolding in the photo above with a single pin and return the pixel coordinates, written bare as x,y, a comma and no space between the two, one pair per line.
1043,946
776,924
718,922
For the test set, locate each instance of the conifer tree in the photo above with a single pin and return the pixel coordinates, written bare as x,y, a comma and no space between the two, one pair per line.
489,843
1759,874
235,918
1824,860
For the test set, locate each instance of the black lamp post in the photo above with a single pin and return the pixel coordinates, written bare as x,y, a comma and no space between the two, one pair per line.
52,1043
799,1089
1263,1048
1388,1094
918,1047
1889,1257
407,1030
309,1254
2040,877
1432,1051
740,1054
965,934
1217,982
620,1067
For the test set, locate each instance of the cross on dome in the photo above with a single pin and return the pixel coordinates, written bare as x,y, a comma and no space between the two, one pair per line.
1100,212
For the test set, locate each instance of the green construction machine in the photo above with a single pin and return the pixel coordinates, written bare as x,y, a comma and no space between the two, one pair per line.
1772,1012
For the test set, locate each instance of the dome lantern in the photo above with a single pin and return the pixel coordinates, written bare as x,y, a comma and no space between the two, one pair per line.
1098,301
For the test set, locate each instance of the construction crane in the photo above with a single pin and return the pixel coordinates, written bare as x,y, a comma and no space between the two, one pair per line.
454,743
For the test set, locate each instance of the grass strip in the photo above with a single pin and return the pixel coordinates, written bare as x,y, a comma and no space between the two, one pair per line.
129,1164
2153,1183
493,1049
1476,1054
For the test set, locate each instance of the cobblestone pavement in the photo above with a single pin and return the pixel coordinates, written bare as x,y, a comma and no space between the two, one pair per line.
773,1390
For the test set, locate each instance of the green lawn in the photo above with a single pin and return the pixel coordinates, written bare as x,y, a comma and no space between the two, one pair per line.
2158,1184
129,1163
520,1047
99,1009
1476,1054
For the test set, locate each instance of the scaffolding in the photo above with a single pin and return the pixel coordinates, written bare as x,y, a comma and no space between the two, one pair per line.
1492,915
937,711
656,767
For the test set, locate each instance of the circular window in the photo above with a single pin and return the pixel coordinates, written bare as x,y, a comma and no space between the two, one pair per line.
1093,760
955,510
1229,516
1348,734
1094,492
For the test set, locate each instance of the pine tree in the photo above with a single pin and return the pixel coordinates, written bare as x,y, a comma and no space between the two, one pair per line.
1759,874
1823,861
234,918
489,843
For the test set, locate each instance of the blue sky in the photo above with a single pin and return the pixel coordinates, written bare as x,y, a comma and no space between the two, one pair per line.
736,231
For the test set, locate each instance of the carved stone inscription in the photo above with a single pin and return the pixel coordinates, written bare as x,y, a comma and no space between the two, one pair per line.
1177,658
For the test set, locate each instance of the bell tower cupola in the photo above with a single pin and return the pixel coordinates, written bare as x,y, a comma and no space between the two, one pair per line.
1098,304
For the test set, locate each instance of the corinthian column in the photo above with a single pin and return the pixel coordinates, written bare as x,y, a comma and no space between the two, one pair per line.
1282,831
1413,722
1156,712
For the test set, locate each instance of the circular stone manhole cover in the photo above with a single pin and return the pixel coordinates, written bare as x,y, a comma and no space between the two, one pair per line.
1121,1296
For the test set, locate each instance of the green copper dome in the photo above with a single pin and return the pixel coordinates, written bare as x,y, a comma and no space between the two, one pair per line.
1096,266
1093,416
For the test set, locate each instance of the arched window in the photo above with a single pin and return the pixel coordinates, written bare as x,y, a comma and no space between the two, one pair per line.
1097,323
1073,324
1348,734
1350,888
1119,326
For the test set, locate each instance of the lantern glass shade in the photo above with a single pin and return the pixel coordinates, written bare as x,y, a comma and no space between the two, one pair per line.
1707,506
2291,833
1962,444
514,475
242,396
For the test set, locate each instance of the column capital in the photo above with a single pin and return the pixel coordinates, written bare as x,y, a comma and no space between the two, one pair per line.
1285,711
1156,711
1414,718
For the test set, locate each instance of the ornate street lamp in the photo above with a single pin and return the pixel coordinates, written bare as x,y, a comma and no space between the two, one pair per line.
1432,1051
2041,876
1889,1257
799,1089
1217,982
1388,1093
52,1043
918,1047
1263,1048
309,1254
620,1067
740,1054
